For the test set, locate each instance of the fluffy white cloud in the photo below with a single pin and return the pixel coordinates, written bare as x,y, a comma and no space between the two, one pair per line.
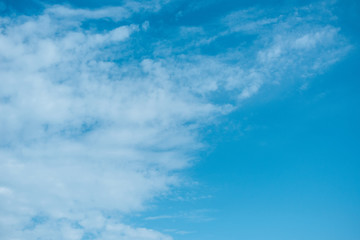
81,133
87,131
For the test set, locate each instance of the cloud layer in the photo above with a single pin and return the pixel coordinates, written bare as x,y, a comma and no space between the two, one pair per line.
91,131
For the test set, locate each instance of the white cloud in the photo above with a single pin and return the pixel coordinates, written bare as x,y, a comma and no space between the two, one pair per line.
250,20
115,13
81,134
88,135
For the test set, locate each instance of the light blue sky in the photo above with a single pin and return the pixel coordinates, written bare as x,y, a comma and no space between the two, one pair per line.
176,119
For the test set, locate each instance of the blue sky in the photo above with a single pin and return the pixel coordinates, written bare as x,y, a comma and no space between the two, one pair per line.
175,119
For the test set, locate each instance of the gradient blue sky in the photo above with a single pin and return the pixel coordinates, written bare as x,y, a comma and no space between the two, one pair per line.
177,119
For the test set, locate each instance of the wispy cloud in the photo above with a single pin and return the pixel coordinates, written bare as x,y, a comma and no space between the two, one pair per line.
89,133
115,13
195,216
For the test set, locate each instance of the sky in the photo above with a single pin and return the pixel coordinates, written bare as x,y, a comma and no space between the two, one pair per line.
179,120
